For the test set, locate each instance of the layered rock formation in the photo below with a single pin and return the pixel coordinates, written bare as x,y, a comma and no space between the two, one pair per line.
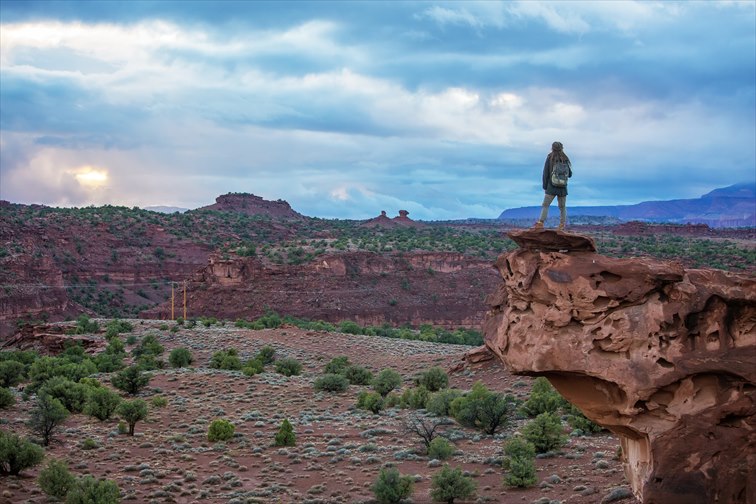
253,205
662,356
416,288
401,220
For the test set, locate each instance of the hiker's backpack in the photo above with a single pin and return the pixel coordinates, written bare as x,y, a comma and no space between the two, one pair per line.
560,172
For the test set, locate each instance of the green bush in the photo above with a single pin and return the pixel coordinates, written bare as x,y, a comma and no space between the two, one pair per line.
46,416
109,362
483,409
226,359
158,402
337,365
391,487
55,479
85,325
288,367
89,444
17,454
331,383
358,375
440,449
7,399
545,432
439,403
131,380
45,368
101,403
285,435
449,484
519,463
253,367
11,373
149,345
220,430
149,362
434,379
133,411
115,327
266,354
180,357
386,381
543,399
577,420
72,395
88,490
350,327
371,401
415,398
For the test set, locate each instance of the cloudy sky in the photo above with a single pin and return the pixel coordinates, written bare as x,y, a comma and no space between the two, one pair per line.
445,109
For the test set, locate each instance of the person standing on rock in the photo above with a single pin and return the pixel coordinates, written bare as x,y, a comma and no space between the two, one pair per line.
556,170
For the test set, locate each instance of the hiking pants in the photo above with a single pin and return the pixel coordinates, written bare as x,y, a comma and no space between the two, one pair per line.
561,201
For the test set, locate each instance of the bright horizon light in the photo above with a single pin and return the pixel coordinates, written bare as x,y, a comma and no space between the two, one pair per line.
91,177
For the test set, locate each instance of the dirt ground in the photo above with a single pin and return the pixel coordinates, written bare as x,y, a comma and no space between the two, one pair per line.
339,449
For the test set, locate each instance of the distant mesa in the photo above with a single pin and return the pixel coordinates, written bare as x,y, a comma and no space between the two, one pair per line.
166,209
384,221
250,204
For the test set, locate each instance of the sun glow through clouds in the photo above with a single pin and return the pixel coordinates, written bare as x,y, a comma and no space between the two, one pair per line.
91,177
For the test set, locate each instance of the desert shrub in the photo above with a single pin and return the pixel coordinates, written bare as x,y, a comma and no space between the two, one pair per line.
220,430
122,427
577,420
337,365
45,368
101,403
253,367
6,398
88,490
180,357
266,354
285,435
90,382
433,379
386,381
392,400
46,416
158,402
358,375
133,411
288,366
519,463
391,487
425,428
440,449
350,327
17,454
131,380
89,444
545,432
449,484
115,347
55,479
149,345
415,398
226,359
331,383
439,403
11,373
116,327
482,409
72,395
25,357
270,320
543,399
109,362
85,325
371,401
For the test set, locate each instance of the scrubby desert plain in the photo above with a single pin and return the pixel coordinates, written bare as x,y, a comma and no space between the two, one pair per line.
339,449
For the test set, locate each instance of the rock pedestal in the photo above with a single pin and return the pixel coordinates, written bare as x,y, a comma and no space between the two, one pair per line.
662,356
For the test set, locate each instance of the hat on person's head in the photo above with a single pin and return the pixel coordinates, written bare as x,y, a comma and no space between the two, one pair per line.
556,146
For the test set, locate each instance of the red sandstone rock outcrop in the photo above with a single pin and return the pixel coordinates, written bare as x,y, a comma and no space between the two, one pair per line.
662,356
253,205
51,339
440,288
384,221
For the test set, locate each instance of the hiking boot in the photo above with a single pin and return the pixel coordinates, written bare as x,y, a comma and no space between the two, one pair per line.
538,225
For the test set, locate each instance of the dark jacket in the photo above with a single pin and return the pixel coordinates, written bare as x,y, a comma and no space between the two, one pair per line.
550,189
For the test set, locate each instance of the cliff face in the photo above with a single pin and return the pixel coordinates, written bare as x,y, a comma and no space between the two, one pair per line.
253,205
416,288
662,356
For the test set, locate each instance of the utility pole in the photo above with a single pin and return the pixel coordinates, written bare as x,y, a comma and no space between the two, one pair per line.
173,300
184,299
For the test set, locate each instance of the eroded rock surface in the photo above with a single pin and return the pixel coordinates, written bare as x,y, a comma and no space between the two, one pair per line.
662,356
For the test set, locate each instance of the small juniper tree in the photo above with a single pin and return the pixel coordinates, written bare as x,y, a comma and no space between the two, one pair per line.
433,379
17,454
545,432
285,435
449,484
7,399
88,490
131,380
391,487
288,367
132,412
180,357
47,415
519,462
386,381
440,449
101,403
55,479
220,430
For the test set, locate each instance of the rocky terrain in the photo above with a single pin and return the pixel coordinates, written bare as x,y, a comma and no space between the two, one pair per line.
339,448
663,356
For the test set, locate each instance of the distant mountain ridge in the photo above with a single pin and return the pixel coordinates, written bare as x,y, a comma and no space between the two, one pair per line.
732,206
